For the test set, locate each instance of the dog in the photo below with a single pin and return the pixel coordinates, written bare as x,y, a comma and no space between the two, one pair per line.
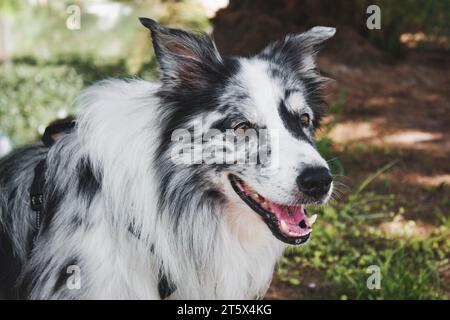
122,218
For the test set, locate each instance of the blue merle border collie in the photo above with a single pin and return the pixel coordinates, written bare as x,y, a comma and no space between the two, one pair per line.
119,209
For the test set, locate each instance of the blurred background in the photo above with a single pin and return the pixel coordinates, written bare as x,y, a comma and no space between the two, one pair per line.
386,136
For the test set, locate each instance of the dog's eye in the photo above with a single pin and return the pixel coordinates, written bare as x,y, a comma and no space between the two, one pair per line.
242,127
305,120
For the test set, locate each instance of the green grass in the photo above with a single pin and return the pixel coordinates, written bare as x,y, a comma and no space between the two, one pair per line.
347,239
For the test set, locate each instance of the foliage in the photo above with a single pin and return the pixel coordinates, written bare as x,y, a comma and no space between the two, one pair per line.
430,17
51,63
35,93
9,7
32,96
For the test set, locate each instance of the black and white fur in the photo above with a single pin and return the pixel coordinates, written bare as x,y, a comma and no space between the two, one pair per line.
121,210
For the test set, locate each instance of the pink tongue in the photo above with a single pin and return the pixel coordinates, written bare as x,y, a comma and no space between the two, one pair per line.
291,215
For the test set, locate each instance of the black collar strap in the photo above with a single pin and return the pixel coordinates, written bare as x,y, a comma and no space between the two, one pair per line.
165,286
58,127
37,186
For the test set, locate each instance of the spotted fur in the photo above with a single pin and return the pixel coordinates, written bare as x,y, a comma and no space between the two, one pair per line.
121,210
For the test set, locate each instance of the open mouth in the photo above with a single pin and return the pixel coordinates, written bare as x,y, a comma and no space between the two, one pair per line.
289,224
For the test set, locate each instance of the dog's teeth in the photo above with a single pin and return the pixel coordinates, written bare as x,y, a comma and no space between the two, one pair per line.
284,226
312,219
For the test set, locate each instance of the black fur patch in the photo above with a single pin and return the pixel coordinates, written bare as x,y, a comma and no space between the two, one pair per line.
286,58
181,106
292,122
88,184
52,203
10,267
26,284
29,280
314,98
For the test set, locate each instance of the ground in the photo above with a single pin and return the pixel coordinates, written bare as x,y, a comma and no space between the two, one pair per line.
398,111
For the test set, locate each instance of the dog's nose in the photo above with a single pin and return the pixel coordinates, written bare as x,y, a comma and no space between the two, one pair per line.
314,181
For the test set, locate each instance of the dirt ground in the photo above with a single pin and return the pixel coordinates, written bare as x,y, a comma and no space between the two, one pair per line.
392,111
398,112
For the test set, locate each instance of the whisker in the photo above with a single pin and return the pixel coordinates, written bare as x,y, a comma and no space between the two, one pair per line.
332,159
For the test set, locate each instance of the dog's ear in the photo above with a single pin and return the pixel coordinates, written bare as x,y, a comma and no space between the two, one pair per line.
185,58
299,50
